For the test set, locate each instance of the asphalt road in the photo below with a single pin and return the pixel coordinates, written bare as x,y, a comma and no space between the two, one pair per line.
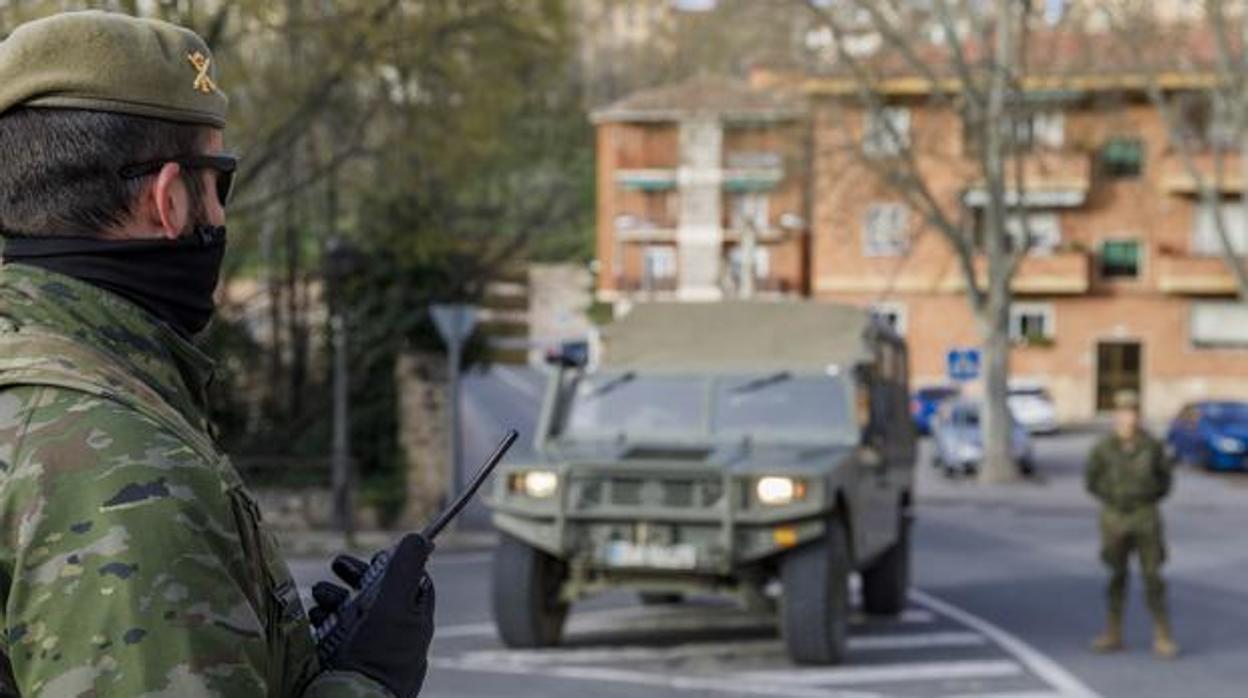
1007,596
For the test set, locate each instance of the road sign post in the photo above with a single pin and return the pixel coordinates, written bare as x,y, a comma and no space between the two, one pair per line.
454,322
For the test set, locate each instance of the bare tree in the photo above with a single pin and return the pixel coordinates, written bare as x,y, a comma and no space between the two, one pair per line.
974,70
1206,112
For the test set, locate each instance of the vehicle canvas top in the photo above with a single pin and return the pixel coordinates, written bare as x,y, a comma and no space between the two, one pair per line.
738,335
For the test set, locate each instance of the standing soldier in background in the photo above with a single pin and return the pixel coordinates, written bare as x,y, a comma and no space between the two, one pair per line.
1128,474
133,562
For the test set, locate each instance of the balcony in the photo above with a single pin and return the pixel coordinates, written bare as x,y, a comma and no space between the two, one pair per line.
1051,179
633,228
1176,178
1195,275
1053,274
665,285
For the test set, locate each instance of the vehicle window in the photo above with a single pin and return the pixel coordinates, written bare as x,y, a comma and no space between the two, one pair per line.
966,417
783,404
1042,393
1227,411
624,403
937,393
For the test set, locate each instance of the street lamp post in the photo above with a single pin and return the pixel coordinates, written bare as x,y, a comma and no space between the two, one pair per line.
341,261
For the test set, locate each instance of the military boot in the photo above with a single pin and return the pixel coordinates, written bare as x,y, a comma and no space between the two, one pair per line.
1111,639
1164,645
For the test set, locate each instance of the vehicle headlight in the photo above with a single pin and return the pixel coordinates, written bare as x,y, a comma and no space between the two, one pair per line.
538,484
1227,444
778,491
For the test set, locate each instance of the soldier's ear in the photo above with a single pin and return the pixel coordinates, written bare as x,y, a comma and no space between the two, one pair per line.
165,205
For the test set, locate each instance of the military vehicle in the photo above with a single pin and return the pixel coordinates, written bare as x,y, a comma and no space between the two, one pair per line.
731,449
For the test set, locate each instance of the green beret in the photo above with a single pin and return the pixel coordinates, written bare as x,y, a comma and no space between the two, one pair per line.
109,62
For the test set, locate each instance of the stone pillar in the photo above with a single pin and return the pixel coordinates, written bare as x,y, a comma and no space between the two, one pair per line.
700,234
421,379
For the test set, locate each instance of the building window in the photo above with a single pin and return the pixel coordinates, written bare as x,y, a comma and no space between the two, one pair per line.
749,210
1206,121
659,262
762,262
1120,259
884,232
1122,158
1021,131
1206,240
891,314
1219,324
1045,228
878,139
1032,323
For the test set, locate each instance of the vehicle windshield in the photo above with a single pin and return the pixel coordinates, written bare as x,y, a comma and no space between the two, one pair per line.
781,404
937,393
1227,411
624,403
1042,393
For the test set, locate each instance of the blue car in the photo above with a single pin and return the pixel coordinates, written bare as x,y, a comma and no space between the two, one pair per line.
1213,434
926,402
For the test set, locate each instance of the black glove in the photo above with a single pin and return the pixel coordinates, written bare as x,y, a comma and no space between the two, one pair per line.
391,645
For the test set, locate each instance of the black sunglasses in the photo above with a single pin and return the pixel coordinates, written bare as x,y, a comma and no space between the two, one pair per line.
224,165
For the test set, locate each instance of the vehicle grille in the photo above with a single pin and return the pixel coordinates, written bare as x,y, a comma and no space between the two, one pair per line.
678,492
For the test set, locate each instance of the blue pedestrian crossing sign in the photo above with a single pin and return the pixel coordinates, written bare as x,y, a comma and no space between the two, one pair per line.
963,364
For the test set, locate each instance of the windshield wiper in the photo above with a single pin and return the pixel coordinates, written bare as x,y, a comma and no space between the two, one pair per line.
613,384
760,383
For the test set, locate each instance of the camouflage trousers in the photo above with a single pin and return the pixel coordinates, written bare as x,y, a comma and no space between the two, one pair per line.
1138,531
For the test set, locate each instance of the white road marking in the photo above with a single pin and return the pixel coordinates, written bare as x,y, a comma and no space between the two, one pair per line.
1039,664
660,618
647,678
1007,694
724,650
889,673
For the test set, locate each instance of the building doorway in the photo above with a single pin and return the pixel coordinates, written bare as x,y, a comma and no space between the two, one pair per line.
1118,367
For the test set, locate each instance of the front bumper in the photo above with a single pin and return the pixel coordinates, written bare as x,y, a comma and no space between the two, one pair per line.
707,512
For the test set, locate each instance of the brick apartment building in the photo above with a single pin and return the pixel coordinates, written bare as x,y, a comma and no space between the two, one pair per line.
690,178
1124,286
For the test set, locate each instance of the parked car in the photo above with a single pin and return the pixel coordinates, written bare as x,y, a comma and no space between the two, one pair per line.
1212,434
960,441
1032,406
926,401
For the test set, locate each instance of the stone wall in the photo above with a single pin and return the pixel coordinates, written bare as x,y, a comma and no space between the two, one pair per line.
423,437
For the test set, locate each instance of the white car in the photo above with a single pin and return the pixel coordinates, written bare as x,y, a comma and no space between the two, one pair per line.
1033,409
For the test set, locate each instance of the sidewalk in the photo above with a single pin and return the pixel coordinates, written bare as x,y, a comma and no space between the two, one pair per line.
1058,485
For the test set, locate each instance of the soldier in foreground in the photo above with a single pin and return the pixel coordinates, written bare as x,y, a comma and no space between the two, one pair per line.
1128,474
132,560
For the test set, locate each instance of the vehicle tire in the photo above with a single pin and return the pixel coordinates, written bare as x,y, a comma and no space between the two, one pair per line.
1026,467
815,603
527,608
660,598
886,582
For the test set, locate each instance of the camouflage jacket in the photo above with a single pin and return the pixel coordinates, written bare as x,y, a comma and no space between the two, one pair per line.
1125,478
132,560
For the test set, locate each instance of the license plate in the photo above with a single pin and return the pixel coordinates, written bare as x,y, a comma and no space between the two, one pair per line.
666,557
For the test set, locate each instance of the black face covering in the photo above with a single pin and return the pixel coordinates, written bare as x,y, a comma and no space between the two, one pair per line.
171,279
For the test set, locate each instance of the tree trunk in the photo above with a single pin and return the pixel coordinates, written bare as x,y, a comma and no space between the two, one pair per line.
998,464
994,313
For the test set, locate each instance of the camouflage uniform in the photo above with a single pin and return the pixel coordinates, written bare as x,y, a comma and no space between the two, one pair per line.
132,560
1130,479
